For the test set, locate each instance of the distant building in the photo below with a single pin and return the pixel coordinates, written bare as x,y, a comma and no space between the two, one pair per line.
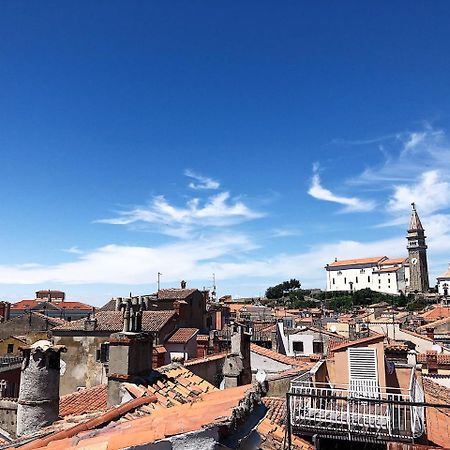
443,283
378,273
383,274
52,303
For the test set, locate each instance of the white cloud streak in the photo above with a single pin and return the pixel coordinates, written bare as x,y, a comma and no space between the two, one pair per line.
202,182
352,204
217,211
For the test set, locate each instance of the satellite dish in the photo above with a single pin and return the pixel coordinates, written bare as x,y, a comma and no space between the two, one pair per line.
437,348
261,376
333,328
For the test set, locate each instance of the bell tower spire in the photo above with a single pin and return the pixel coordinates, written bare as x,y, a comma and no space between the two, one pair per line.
417,251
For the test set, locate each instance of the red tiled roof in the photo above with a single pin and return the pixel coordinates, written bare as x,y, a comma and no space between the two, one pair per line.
27,304
24,304
84,401
73,305
201,360
213,407
393,261
289,360
51,320
272,428
434,324
357,261
174,294
438,312
182,335
334,346
442,358
113,321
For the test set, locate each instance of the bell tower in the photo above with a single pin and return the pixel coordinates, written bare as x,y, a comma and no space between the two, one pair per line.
417,251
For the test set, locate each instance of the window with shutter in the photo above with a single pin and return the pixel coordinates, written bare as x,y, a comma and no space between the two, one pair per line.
363,372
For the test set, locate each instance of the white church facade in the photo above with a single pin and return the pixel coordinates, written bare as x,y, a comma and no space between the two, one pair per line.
383,274
379,273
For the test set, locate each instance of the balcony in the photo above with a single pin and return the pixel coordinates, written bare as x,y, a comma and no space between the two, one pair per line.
357,412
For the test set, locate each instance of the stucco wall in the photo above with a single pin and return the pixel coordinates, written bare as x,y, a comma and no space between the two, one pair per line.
82,369
210,371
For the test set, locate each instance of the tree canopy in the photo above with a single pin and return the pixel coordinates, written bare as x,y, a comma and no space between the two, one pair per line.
282,289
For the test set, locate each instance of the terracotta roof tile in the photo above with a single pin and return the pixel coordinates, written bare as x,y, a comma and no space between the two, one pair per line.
112,321
442,358
272,428
213,407
434,324
394,261
174,294
335,346
357,261
182,335
438,312
289,360
84,401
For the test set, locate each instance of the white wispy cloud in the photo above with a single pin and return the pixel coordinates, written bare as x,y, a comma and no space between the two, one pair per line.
74,250
408,155
217,211
202,182
431,193
352,204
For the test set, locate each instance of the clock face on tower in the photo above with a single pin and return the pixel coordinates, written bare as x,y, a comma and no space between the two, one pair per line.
414,261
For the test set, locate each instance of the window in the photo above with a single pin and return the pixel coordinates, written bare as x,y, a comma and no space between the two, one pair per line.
356,281
297,346
334,281
10,348
389,281
379,281
339,273
368,279
318,347
362,271
103,353
345,280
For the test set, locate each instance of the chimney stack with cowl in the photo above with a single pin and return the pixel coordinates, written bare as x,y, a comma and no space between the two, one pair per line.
130,351
38,403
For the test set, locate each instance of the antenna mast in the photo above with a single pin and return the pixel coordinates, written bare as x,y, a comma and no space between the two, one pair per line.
159,280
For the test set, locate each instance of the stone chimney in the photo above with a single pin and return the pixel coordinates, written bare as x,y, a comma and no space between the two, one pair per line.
38,403
432,364
90,323
237,369
430,333
130,351
183,284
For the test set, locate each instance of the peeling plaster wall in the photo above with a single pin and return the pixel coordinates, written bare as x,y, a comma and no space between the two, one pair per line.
82,369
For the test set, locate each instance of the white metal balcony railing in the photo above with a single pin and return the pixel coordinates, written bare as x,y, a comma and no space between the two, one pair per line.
384,413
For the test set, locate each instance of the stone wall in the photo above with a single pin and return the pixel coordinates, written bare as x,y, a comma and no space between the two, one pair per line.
8,415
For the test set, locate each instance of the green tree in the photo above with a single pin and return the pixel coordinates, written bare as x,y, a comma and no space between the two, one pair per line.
278,291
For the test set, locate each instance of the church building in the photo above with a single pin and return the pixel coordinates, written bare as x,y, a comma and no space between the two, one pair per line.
383,274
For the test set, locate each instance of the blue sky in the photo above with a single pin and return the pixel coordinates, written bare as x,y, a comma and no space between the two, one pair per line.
256,140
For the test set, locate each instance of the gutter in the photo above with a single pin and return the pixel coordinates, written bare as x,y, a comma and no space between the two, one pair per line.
90,424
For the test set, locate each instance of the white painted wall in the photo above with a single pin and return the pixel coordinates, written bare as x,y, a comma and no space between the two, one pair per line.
367,276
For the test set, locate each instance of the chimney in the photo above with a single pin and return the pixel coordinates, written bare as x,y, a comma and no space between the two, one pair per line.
38,403
130,351
432,364
91,323
183,284
237,369
7,311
